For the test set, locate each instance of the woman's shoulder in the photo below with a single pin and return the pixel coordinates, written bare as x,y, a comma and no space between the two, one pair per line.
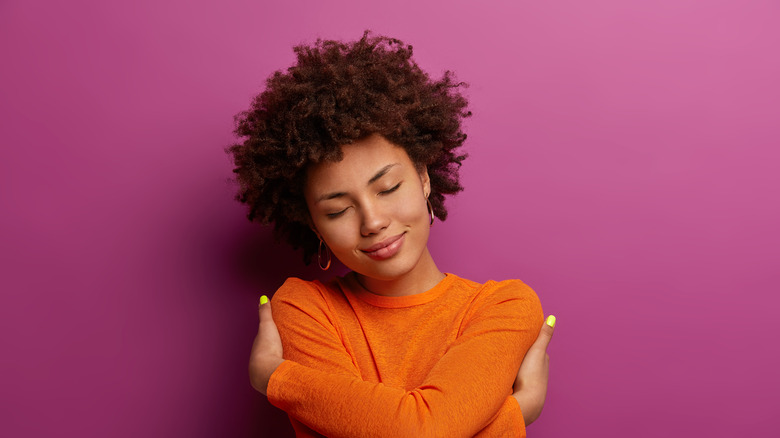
493,291
511,287
297,290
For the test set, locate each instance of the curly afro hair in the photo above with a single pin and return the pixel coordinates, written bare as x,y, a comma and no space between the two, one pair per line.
335,94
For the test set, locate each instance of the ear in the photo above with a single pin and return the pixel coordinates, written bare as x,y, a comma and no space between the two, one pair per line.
425,179
313,227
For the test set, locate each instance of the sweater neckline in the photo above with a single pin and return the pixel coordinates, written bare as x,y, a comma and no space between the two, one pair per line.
351,286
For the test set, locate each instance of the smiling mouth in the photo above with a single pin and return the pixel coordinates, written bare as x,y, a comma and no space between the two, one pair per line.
386,248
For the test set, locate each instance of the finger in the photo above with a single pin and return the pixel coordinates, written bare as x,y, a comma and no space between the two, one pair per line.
545,334
264,310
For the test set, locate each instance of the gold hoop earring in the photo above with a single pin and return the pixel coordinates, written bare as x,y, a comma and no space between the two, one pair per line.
319,256
430,210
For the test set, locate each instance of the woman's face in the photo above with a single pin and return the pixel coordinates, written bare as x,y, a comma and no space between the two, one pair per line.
370,208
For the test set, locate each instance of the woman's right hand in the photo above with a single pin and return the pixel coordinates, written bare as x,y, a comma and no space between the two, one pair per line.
531,384
267,351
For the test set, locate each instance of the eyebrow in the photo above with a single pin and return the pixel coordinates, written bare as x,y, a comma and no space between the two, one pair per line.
382,172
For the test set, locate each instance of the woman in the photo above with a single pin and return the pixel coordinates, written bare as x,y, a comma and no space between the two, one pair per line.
351,152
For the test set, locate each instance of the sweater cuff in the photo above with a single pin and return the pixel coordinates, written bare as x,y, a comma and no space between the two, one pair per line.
276,383
520,420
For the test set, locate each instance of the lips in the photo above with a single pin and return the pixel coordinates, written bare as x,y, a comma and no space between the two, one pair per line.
386,248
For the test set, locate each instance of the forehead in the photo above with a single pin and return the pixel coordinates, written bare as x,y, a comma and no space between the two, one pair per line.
362,160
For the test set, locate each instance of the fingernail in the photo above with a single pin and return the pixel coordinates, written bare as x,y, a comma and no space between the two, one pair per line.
264,299
550,320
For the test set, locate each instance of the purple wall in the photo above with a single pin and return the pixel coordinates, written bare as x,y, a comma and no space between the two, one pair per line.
624,163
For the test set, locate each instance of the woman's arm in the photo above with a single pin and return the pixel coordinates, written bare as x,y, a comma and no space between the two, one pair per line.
460,396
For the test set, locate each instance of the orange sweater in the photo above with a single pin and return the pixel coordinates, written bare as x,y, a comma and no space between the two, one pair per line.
439,363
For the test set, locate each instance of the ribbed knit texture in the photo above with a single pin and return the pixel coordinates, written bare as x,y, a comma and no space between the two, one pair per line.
436,364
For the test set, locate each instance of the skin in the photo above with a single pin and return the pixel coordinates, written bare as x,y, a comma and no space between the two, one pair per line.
376,196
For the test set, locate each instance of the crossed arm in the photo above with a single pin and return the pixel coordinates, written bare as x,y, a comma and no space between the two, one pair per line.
467,390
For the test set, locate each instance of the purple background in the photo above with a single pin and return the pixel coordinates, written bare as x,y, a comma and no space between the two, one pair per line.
624,163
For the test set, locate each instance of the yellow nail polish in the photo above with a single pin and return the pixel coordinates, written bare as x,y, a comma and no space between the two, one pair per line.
551,321
263,300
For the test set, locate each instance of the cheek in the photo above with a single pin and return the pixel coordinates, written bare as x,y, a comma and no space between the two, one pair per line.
339,233
414,211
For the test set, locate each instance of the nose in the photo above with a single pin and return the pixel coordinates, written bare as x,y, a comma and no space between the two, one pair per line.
374,219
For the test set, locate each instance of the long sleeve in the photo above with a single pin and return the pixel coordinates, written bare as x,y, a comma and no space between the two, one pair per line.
508,422
323,383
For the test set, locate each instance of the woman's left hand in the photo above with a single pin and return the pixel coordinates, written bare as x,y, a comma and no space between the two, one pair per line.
531,384
266,353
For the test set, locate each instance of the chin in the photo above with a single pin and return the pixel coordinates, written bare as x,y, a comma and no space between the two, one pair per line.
385,270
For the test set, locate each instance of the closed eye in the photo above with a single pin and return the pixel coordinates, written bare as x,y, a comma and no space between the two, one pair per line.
390,190
336,214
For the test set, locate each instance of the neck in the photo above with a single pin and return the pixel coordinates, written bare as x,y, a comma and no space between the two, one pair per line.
424,276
